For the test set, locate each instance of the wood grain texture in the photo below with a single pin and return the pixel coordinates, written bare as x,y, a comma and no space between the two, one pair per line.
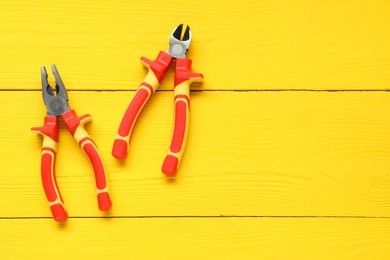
248,44
248,153
220,238
299,174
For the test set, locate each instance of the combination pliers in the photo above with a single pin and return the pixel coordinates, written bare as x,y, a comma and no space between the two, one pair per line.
157,69
57,105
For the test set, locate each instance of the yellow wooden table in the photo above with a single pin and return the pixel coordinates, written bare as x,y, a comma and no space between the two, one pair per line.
288,155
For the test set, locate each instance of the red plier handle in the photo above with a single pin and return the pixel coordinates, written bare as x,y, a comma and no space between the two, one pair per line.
75,125
156,72
183,79
50,131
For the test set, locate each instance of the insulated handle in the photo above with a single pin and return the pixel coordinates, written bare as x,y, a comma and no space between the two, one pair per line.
49,131
183,79
156,72
75,125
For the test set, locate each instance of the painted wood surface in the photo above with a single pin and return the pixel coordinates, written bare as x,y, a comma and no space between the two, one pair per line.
248,44
217,238
288,153
249,153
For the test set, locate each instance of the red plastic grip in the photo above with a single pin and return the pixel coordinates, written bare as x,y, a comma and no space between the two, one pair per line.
48,174
50,131
120,149
104,201
50,128
180,126
75,125
50,186
134,109
59,213
183,79
160,65
171,163
184,73
90,150
73,121
96,162
157,69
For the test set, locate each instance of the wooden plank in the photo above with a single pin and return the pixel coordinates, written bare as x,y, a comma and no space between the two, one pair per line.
249,153
248,44
218,238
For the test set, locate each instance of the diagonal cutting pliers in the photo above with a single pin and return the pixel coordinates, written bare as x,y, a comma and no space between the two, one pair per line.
157,69
57,105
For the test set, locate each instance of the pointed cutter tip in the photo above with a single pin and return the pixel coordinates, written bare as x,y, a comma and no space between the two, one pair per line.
56,105
60,86
179,45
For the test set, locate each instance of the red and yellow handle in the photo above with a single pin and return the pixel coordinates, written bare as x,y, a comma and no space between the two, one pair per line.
183,79
49,131
156,72
75,125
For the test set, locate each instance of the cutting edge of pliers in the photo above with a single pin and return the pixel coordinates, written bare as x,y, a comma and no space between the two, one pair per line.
56,104
178,43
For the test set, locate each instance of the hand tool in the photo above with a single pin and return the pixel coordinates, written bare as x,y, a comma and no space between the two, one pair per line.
156,71
57,105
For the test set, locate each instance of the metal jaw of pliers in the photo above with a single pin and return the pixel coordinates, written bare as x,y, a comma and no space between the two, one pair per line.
178,48
57,105
157,69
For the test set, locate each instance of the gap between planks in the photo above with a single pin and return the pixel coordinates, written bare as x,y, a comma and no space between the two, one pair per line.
189,217
211,90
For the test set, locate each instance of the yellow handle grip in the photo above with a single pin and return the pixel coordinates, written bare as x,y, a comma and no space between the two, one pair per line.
75,125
